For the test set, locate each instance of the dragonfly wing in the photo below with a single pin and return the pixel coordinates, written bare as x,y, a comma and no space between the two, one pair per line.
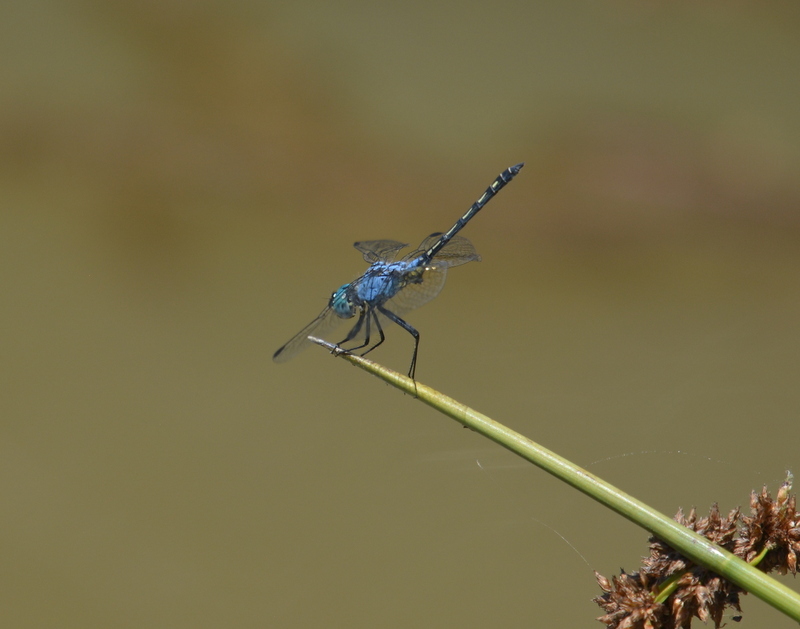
414,295
379,250
323,325
458,251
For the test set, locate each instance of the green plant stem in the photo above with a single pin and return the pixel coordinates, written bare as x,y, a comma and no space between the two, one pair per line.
694,546
671,584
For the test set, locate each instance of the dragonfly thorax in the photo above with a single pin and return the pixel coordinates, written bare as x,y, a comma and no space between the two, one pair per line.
342,303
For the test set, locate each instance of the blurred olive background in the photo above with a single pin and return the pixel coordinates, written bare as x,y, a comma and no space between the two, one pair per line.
181,184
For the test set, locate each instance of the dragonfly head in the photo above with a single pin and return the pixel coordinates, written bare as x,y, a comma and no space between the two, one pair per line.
341,303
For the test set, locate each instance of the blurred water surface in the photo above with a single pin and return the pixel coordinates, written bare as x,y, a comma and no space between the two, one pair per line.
180,187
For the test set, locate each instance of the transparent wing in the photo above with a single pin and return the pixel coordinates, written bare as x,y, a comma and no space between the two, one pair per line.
323,325
458,251
414,295
379,250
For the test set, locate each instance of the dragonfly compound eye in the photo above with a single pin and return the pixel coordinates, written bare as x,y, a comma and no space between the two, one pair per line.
341,304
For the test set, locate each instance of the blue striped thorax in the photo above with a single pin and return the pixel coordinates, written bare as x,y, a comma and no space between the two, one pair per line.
380,283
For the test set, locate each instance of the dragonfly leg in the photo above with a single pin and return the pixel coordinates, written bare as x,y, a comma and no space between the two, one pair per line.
356,329
408,328
380,331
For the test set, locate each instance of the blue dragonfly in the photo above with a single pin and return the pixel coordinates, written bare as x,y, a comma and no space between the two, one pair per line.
391,287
